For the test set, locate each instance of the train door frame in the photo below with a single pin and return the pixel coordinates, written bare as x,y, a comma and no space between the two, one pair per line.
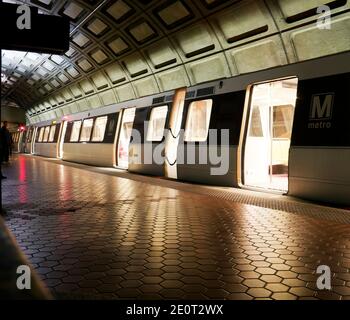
172,139
116,139
61,137
243,145
33,140
119,130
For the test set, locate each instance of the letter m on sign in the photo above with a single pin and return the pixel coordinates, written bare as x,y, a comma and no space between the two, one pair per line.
321,106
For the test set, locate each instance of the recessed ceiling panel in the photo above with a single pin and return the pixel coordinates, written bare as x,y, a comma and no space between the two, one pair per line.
63,78
48,66
73,72
70,52
118,45
118,10
55,83
47,4
99,56
97,27
81,40
141,31
72,10
85,64
173,14
57,59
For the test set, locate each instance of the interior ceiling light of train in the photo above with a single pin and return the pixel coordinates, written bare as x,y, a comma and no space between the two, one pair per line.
126,49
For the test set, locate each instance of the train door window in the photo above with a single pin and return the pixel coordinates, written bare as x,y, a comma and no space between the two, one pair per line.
124,137
156,124
197,122
86,130
41,134
29,135
99,129
52,133
269,133
46,134
74,137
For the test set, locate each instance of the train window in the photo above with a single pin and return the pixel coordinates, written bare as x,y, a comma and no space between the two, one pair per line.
124,137
99,129
282,121
46,133
198,118
74,137
111,126
256,125
41,134
52,133
157,123
86,131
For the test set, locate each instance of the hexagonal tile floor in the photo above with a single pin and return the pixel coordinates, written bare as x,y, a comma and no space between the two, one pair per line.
97,236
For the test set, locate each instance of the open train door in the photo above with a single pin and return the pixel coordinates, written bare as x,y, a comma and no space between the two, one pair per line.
267,139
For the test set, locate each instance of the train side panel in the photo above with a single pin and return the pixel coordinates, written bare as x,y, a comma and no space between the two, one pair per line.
319,164
98,153
220,147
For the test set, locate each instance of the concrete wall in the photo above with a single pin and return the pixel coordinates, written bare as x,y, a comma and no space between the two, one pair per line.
13,115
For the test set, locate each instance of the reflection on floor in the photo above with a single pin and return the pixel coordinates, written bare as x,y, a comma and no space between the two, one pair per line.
94,235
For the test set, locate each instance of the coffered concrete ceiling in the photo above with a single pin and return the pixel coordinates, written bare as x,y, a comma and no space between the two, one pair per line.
124,49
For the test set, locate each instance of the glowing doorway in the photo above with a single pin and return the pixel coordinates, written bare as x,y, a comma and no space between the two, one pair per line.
267,143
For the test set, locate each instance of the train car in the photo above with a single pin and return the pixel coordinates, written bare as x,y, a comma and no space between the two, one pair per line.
285,131
46,139
282,129
101,137
89,137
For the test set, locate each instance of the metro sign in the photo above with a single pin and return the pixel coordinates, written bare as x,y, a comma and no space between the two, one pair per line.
321,110
24,29
321,106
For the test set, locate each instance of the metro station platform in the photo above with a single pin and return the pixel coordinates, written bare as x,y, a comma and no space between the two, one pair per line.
97,233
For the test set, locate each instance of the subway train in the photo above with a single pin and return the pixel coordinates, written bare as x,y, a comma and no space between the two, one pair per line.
284,129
